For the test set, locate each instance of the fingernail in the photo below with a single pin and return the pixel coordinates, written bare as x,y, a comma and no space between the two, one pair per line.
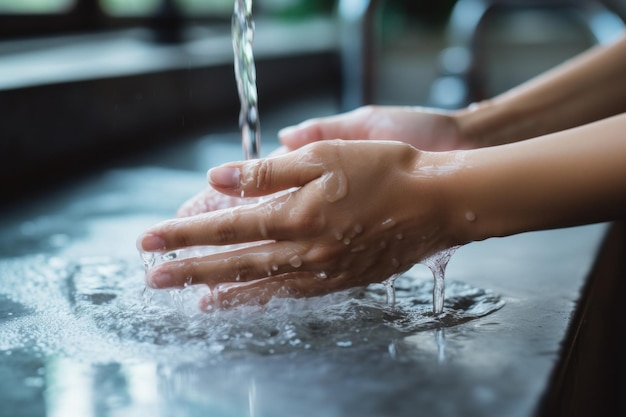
151,243
207,303
158,279
225,176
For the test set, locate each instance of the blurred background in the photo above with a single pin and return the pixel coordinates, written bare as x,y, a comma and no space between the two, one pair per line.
87,82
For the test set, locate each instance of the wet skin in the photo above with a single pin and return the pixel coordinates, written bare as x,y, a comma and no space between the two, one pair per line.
337,246
570,171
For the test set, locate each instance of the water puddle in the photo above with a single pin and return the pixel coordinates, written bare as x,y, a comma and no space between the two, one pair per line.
98,310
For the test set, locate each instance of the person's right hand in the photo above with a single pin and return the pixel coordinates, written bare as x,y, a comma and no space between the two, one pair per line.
423,128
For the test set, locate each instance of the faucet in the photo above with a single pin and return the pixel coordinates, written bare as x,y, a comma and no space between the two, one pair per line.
358,28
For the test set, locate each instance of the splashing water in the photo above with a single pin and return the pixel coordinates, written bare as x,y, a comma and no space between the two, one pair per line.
437,264
245,74
97,310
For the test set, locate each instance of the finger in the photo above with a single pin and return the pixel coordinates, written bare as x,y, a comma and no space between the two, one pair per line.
281,150
265,176
260,292
340,126
249,223
238,265
210,200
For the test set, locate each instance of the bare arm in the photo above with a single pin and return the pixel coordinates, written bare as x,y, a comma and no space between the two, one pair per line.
572,177
589,87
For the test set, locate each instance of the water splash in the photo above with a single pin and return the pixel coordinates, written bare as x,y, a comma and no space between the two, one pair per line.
97,310
245,74
437,264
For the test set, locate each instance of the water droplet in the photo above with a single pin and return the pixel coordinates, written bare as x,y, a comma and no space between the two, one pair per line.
335,186
149,258
399,236
357,249
390,290
321,275
389,222
346,241
470,216
274,268
338,235
169,256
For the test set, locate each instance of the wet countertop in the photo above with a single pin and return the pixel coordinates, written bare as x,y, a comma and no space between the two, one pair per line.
496,365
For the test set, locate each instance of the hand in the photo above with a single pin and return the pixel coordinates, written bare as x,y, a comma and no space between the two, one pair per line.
210,200
426,129
362,212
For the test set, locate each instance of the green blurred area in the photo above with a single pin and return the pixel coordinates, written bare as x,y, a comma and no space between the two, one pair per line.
35,6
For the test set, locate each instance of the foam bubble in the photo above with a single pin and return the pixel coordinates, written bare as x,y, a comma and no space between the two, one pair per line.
98,310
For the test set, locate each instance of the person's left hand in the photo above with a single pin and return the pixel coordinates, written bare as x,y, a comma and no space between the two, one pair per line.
350,213
210,200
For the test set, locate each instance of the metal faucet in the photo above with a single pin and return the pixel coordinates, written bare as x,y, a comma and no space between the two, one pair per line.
358,27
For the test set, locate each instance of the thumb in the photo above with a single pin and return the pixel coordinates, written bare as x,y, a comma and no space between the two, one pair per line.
263,176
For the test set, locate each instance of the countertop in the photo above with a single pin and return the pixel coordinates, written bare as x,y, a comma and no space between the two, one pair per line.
496,365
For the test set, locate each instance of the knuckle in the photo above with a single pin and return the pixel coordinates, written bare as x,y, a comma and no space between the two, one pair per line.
315,151
307,223
242,267
177,235
366,111
264,175
257,174
225,233
321,255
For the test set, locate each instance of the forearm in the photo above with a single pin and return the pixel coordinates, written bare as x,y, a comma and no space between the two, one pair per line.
587,88
573,177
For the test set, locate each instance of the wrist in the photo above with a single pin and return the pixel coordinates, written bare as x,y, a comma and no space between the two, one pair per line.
487,123
510,117
452,220
468,195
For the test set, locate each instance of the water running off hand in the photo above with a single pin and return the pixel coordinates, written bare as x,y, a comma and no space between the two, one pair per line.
245,74
437,264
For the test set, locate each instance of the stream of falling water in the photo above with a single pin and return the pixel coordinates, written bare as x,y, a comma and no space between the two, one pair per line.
245,74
